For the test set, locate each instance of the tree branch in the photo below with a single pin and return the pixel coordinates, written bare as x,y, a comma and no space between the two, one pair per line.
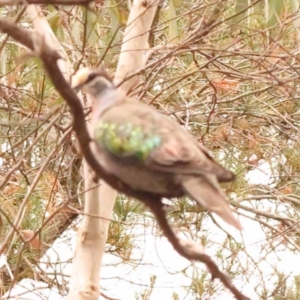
56,2
188,248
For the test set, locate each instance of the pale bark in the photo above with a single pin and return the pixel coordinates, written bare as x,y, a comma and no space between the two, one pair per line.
135,42
87,258
92,236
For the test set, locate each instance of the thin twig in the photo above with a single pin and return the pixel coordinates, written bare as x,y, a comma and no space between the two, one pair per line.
55,2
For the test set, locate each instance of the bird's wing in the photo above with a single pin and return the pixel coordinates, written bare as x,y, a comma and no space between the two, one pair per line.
182,154
142,135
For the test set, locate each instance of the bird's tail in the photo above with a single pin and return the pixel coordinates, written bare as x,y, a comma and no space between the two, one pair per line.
207,192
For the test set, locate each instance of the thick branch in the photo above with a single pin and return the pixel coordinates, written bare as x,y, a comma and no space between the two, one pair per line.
135,42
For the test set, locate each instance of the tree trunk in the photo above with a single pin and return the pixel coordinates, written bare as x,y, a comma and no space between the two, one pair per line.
92,236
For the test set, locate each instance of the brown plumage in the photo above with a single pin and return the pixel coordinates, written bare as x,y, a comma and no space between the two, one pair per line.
149,151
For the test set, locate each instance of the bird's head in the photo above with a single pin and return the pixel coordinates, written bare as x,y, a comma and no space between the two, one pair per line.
91,81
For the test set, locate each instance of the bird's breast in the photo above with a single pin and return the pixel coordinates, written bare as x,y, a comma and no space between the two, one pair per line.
140,177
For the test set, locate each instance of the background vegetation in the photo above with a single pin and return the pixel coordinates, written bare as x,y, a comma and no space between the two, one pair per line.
235,88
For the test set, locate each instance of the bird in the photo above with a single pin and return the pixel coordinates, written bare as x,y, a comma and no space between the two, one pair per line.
148,151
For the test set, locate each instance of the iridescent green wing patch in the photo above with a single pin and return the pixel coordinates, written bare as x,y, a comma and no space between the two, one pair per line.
126,139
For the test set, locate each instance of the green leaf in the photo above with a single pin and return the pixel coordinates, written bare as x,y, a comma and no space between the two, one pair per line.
240,5
173,29
177,3
90,19
3,61
275,10
76,31
115,17
54,15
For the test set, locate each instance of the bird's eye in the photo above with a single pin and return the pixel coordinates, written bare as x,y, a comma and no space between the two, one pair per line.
91,76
